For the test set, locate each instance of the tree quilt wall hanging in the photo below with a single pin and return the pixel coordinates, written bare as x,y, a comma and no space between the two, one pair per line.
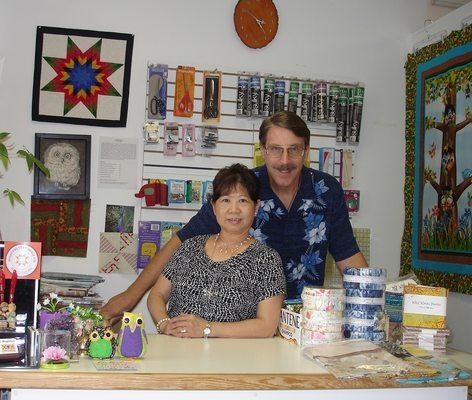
81,77
437,242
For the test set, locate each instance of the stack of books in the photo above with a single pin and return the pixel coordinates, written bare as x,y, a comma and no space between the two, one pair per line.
72,288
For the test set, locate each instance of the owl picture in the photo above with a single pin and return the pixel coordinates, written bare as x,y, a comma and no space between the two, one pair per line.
63,161
132,339
101,343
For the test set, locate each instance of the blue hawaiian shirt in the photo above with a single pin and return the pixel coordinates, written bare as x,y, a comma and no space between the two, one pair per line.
317,221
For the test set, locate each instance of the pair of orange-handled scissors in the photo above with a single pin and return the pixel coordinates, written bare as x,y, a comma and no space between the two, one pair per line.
186,103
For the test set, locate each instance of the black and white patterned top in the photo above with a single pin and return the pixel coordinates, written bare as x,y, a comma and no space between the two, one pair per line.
222,291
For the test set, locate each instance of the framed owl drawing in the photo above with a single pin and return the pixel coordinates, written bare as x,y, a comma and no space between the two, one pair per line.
68,159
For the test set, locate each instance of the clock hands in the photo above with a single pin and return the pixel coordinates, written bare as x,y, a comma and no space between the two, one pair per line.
259,22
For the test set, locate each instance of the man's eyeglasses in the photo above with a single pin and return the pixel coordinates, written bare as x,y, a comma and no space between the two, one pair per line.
278,151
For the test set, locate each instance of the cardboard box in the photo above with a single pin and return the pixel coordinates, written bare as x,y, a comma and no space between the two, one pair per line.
290,325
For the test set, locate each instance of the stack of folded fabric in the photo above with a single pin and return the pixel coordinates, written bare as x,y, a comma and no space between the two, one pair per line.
426,339
424,317
322,315
365,301
394,311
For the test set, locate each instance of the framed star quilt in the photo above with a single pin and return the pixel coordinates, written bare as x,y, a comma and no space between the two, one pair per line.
81,77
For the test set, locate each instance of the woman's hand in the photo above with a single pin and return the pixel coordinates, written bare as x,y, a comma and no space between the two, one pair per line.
185,326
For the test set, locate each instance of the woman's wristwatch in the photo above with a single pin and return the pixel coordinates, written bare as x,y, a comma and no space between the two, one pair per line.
159,323
207,331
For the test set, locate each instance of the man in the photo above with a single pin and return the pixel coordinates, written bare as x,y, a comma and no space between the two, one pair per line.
302,215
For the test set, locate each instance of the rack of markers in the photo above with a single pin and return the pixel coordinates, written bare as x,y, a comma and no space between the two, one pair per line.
365,301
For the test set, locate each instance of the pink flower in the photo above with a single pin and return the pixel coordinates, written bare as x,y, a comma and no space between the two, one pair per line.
54,353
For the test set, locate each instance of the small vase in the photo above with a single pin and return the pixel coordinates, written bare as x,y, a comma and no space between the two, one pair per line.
46,316
54,349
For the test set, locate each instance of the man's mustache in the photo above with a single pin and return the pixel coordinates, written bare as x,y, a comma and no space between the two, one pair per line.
285,167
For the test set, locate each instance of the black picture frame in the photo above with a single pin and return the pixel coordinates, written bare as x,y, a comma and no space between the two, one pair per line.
57,98
60,184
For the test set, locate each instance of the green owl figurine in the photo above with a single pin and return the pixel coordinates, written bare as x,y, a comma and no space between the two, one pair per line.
132,340
101,343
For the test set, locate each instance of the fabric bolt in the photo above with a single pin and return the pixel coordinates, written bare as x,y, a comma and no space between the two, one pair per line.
372,273
62,226
309,337
363,285
375,323
322,316
376,336
317,221
118,253
222,291
365,300
364,293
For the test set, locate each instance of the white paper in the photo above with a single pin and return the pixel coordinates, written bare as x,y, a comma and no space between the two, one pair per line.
117,160
424,304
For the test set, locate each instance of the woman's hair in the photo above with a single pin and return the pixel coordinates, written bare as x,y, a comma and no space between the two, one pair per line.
287,120
228,178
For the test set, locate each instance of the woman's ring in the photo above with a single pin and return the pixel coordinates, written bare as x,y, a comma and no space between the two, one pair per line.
183,331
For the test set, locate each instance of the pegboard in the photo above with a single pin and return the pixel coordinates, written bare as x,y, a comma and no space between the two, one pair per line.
236,138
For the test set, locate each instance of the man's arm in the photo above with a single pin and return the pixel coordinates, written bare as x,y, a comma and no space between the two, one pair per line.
356,260
126,300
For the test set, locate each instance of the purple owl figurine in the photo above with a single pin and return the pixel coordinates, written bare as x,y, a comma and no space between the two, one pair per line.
132,339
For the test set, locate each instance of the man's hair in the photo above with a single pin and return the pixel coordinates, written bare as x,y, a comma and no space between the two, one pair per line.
288,120
228,178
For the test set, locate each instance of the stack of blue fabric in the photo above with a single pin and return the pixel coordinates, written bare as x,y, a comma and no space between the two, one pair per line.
365,301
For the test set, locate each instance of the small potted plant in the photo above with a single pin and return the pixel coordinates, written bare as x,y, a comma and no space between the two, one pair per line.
49,309
55,346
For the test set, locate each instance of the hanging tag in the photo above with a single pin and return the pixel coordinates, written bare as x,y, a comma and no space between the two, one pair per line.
176,189
157,91
188,191
207,191
196,192
326,160
211,107
171,138
358,103
342,116
242,100
346,168
352,198
293,96
184,92
151,132
279,96
188,140
208,140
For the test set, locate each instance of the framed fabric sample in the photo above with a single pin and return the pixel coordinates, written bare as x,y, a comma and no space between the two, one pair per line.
68,159
62,226
437,242
81,77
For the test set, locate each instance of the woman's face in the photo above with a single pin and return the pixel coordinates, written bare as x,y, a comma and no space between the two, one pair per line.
235,211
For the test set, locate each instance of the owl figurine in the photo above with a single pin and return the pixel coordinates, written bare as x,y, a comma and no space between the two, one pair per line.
132,339
101,343
63,161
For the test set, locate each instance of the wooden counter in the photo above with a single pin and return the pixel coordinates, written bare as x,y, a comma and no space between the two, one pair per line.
213,364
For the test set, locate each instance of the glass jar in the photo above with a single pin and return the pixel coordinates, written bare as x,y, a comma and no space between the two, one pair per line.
54,349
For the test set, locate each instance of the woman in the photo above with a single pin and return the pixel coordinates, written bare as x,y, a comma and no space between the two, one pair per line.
223,285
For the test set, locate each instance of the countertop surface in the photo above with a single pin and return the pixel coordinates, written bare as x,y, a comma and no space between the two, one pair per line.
198,364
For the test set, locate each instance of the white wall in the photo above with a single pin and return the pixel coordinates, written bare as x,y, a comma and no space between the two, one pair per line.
353,40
